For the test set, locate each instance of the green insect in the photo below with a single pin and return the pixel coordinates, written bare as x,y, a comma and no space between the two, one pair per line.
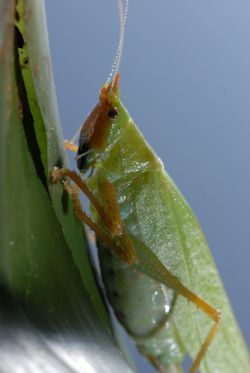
157,269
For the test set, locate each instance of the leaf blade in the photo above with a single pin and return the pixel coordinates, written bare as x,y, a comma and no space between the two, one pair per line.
44,300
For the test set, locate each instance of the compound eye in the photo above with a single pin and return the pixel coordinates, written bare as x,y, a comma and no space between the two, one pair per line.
113,113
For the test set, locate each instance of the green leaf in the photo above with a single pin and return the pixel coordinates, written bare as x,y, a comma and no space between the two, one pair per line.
52,317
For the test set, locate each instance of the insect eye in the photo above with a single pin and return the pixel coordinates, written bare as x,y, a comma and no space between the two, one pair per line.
113,113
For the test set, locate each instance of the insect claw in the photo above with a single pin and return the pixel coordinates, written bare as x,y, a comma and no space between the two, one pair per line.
71,189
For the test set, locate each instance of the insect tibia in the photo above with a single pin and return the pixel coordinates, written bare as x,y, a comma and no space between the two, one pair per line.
114,222
109,203
214,315
122,247
204,347
73,190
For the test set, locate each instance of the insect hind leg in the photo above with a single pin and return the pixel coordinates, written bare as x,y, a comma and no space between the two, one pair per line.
212,333
210,311
154,268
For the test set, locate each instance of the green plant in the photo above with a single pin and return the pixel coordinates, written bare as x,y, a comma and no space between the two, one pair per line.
52,317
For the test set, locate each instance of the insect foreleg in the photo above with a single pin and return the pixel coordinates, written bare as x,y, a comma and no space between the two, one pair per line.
111,219
57,175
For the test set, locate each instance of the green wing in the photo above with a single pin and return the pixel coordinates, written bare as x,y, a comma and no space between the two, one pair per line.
167,235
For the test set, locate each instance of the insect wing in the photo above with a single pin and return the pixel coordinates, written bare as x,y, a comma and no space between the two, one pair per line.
166,234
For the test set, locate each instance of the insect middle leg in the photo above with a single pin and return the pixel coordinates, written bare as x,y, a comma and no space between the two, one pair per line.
119,243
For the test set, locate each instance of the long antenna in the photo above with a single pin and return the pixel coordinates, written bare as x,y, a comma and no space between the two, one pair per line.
123,13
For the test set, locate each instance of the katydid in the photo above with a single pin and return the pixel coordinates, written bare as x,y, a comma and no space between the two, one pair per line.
158,272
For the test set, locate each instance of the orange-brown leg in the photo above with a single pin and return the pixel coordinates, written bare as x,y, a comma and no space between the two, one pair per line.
121,244
167,278
59,174
212,333
121,239
116,229
211,312
109,203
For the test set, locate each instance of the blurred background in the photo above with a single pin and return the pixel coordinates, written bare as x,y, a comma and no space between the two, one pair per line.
185,79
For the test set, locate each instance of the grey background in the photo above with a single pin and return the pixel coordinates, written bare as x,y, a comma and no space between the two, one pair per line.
185,79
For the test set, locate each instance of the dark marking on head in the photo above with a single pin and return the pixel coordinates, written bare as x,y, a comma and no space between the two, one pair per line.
83,148
113,113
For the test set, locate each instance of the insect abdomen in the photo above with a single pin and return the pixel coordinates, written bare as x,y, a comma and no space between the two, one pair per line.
143,307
